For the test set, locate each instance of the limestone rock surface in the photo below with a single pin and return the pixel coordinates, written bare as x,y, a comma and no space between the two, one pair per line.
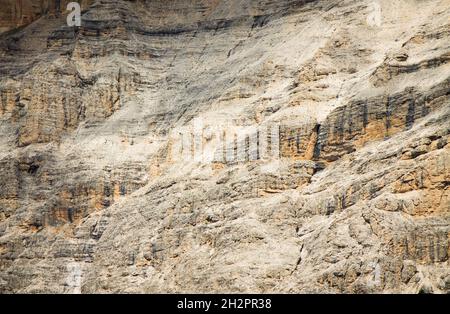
343,186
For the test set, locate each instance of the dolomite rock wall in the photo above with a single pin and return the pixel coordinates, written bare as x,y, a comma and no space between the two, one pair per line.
354,196
18,13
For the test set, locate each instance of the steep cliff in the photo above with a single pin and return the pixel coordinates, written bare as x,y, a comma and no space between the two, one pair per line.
19,13
341,184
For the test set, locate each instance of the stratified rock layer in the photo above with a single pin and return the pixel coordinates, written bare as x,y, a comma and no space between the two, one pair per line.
352,196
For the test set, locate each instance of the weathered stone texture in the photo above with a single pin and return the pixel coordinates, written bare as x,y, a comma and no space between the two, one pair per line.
350,195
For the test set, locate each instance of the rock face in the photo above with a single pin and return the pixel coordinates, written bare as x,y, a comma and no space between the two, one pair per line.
327,124
19,13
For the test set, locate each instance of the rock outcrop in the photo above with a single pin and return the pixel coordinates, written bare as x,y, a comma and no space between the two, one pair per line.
225,146
19,13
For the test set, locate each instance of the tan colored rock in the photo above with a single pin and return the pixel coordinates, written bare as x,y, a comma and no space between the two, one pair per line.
103,180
